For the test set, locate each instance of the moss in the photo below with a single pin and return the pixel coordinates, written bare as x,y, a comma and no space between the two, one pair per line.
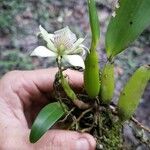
110,135
14,59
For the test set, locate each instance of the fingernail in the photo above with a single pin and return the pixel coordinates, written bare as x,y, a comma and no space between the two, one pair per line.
82,144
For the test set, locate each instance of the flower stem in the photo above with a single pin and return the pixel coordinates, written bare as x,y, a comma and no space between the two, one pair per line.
69,92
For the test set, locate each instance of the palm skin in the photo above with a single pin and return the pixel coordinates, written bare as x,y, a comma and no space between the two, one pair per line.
22,95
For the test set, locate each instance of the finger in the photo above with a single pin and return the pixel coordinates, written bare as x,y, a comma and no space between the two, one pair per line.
44,78
33,85
52,140
67,140
30,87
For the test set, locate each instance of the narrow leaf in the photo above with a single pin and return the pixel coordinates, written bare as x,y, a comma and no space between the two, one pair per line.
130,19
49,115
94,22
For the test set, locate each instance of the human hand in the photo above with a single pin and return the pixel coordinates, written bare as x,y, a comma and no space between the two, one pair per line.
22,95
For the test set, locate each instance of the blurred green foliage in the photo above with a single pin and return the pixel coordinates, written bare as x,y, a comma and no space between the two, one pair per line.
8,11
10,60
19,20
41,12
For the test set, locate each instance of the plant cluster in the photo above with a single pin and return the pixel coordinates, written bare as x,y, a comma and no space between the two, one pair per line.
127,23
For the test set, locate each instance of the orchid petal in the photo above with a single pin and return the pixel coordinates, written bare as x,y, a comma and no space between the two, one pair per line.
66,32
85,49
49,38
75,60
64,37
81,49
42,52
77,43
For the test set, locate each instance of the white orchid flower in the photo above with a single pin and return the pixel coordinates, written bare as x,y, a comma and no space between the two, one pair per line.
62,44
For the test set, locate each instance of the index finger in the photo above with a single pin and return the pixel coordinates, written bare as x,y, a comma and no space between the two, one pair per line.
44,78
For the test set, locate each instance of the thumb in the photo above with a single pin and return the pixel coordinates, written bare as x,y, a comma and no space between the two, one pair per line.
17,139
66,140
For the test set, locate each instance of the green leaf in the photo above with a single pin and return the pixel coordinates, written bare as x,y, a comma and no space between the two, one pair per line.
94,22
132,17
49,115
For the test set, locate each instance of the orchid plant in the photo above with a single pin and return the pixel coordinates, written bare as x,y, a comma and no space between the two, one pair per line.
130,19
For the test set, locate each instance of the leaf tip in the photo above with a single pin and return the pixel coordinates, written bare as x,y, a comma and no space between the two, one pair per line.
32,140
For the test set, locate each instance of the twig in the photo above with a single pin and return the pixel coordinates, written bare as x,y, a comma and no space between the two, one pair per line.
140,137
83,113
140,125
74,123
92,125
68,113
88,129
